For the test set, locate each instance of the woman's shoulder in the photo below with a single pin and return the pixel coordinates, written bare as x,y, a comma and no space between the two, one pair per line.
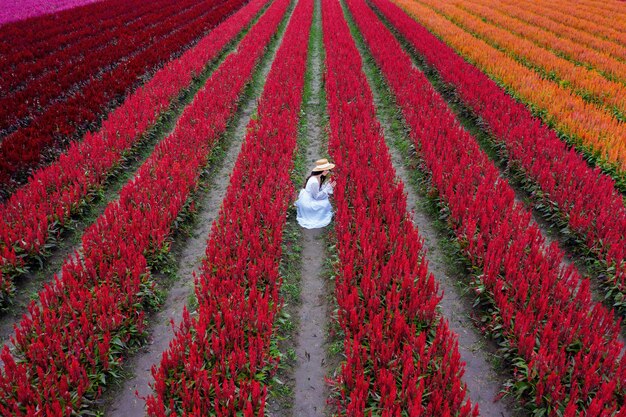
313,179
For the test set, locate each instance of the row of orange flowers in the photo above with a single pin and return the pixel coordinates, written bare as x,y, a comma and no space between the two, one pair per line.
612,16
593,128
579,36
610,5
610,95
601,55
561,11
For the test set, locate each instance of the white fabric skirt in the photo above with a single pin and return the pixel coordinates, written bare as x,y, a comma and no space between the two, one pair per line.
313,214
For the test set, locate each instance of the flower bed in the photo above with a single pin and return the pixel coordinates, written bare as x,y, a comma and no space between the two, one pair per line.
595,133
87,95
558,179
32,49
19,9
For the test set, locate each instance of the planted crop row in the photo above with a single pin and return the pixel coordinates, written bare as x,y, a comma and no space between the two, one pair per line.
221,361
73,341
24,106
559,180
565,32
559,11
38,37
607,8
562,346
65,119
20,9
24,66
34,215
400,356
574,49
601,21
595,132
590,85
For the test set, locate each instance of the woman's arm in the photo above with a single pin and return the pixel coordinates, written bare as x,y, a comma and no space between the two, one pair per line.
313,187
328,187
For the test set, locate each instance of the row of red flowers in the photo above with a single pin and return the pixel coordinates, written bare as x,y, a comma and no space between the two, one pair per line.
558,177
401,358
31,60
220,362
65,119
21,107
21,41
562,346
74,338
32,217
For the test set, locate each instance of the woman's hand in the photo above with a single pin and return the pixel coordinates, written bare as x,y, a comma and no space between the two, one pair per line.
332,183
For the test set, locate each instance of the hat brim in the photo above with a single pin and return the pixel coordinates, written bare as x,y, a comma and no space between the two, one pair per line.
326,167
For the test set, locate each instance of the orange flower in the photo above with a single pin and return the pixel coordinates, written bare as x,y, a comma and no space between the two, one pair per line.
561,108
604,24
575,45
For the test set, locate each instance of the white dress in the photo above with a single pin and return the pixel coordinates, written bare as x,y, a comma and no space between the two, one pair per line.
314,209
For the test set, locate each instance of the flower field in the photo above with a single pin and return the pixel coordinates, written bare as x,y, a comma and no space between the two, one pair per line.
575,100
48,108
480,148
17,10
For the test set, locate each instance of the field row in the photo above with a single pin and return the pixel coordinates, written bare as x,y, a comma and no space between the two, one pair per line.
225,352
574,196
47,62
580,47
88,319
62,30
34,217
16,10
400,356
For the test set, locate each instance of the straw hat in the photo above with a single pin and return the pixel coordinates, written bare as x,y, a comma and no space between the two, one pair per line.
323,165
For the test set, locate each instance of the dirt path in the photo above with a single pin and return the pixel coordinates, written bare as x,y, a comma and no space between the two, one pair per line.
123,401
310,388
483,381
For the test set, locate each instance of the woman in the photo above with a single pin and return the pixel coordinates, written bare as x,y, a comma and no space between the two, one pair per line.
314,209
